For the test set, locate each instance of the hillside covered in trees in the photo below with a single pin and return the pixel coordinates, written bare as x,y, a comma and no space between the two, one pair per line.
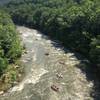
61,64
10,47
76,23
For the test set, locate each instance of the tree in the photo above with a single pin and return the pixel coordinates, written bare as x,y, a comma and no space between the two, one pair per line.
95,51
10,48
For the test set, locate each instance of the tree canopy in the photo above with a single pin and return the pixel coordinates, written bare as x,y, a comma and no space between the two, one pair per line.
76,23
10,48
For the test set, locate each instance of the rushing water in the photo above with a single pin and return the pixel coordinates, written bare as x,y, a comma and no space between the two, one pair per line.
50,73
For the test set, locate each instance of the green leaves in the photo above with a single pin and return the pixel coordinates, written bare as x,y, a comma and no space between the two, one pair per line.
74,22
95,50
3,65
10,48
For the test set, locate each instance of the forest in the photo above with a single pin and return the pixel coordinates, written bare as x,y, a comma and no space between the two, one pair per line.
76,23
32,66
10,47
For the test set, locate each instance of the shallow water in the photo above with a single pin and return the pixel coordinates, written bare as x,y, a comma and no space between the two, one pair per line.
47,66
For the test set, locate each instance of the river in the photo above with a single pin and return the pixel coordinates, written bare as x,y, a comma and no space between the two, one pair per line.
50,72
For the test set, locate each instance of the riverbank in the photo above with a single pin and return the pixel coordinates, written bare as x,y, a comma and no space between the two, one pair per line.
51,72
12,76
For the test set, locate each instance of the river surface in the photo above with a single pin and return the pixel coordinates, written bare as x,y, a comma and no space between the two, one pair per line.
50,73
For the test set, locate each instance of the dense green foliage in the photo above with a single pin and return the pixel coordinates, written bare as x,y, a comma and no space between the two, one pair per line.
76,23
10,48
95,50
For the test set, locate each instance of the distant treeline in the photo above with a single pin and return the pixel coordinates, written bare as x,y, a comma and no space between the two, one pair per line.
10,48
76,23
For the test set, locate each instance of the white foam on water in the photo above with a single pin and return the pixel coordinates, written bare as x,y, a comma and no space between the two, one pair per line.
32,78
30,41
29,33
49,41
34,57
23,60
37,34
25,35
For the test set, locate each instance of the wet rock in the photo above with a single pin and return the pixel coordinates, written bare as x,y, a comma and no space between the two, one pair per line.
61,62
47,54
55,88
36,39
25,52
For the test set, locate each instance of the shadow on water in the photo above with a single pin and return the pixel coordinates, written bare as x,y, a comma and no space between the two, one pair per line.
91,75
86,67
